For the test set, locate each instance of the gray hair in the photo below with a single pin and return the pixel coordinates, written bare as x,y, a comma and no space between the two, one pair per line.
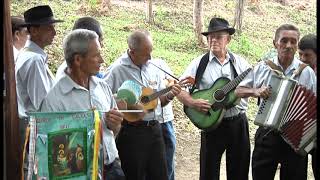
77,42
286,27
137,39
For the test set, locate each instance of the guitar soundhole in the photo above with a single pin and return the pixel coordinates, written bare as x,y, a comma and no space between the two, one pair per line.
219,95
144,99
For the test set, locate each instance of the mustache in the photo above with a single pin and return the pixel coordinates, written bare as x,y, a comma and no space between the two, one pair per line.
288,50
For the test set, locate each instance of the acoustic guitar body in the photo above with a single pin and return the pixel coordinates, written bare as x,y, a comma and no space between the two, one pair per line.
148,103
210,120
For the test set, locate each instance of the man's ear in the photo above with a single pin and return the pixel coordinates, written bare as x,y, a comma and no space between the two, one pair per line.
77,60
274,44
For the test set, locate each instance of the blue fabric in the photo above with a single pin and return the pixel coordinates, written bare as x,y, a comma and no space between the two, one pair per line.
100,75
170,146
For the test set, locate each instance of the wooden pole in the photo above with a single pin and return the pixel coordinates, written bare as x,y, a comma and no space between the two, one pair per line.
12,137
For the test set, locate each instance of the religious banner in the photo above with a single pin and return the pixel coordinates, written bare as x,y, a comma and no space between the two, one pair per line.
63,145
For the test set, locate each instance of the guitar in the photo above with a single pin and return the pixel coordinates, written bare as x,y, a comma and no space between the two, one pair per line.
221,97
148,101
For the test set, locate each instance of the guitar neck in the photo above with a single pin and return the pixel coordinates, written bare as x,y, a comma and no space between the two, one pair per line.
159,93
233,84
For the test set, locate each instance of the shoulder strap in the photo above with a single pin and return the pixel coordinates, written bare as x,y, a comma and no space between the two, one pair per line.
202,67
298,71
232,59
274,67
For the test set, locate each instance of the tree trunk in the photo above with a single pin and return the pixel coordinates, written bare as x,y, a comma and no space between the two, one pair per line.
13,159
105,5
238,16
198,21
149,12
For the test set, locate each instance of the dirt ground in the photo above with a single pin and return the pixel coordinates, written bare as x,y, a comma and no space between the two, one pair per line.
188,149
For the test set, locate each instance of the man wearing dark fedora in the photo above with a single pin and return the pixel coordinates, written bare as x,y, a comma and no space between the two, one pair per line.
33,77
231,134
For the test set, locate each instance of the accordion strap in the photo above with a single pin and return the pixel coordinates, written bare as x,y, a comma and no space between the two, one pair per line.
299,69
274,67
279,71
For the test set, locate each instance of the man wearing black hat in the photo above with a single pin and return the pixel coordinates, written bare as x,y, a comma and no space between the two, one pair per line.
231,134
33,77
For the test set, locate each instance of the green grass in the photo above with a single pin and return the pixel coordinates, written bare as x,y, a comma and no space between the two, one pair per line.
172,32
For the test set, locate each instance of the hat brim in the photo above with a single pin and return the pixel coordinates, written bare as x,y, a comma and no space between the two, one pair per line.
229,30
42,23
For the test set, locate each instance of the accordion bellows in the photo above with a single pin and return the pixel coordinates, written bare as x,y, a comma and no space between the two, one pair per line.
292,110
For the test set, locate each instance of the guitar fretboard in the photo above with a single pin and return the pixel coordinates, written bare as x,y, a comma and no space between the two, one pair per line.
233,84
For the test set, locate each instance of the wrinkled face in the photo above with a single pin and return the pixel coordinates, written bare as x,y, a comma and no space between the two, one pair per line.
91,62
308,56
287,45
218,41
143,54
44,34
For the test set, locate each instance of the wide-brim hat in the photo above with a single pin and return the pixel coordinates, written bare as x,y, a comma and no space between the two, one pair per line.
39,15
219,24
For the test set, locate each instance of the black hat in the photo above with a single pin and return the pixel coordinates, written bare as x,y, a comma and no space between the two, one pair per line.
39,15
219,24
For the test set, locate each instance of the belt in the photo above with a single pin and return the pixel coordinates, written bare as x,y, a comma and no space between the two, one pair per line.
234,117
140,123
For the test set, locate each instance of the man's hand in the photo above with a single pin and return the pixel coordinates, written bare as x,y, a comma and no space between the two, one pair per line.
201,105
176,89
263,92
114,119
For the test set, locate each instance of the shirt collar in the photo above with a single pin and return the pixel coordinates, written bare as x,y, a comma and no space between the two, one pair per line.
211,56
67,84
126,60
32,46
293,66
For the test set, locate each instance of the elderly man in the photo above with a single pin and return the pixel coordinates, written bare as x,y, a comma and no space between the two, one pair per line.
270,148
232,134
19,34
141,143
33,76
79,89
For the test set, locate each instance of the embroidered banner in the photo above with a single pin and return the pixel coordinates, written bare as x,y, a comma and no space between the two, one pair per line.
64,146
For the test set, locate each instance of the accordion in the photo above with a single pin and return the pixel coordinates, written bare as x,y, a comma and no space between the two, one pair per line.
291,110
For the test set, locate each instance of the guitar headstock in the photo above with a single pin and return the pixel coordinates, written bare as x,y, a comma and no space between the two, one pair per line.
187,81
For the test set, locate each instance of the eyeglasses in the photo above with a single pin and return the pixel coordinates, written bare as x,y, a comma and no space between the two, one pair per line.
217,36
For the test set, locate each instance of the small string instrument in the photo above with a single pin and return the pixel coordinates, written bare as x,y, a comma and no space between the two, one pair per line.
149,98
148,101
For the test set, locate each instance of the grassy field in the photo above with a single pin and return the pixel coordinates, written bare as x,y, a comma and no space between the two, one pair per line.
174,39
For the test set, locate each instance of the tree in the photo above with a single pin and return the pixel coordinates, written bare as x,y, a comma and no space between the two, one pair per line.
149,12
238,15
198,21
106,4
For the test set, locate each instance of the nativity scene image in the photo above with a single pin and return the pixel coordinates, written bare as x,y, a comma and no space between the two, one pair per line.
67,153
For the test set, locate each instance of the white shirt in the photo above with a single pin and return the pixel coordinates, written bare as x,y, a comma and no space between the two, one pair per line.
33,79
261,72
148,76
60,71
167,111
67,95
215,70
